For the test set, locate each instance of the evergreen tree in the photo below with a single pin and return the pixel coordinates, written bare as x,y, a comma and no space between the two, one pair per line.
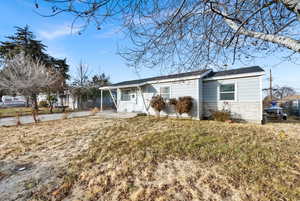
23,41
100,80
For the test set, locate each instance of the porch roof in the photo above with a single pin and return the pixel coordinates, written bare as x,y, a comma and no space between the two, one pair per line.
141,82
207,74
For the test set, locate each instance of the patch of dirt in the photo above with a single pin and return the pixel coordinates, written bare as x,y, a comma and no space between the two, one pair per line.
36,155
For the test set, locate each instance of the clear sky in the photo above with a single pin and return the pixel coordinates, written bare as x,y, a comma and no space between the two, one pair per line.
99,49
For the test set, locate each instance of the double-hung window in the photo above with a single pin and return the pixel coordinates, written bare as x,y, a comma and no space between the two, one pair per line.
227,92
165,92
125,95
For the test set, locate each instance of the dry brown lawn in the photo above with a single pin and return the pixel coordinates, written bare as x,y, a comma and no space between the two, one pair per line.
145,158
45,149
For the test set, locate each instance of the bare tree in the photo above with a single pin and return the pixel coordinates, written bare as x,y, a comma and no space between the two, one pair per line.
22,75
82,75
80,85
282,92
186,34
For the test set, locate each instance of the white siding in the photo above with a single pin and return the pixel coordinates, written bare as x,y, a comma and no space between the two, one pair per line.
177,89
133,105
248,101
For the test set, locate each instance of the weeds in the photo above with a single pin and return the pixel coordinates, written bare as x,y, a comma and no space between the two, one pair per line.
18,121
94,111
65,116
221,115
248,161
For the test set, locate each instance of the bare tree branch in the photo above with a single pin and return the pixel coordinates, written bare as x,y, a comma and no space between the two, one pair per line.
183,35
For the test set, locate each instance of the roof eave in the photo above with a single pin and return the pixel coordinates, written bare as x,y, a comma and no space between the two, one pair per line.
240,75
159,81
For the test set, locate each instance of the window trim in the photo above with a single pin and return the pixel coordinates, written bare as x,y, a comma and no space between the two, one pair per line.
165,93
128,95
235,91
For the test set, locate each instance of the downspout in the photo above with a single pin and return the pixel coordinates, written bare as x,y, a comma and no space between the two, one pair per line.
101,100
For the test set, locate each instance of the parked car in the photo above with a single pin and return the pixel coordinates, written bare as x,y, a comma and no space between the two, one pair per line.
274,113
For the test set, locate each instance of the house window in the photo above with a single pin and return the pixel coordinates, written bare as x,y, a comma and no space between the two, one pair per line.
227,92
125,95
165,92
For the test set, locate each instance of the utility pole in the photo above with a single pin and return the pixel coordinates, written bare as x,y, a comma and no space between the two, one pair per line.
271,88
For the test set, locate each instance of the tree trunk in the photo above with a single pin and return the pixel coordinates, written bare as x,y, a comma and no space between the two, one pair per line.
34,102
50,107
35,107
27,101
80,102
62,103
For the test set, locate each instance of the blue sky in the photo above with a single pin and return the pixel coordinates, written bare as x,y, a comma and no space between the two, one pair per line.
98,49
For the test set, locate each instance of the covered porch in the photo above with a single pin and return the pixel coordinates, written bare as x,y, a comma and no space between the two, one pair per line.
128,98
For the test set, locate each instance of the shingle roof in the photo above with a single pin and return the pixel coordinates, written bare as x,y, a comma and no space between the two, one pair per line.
252,69
179,75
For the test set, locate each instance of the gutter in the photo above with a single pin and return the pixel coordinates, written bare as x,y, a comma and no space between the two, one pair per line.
157,81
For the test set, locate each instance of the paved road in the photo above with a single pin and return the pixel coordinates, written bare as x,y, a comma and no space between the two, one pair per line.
11,121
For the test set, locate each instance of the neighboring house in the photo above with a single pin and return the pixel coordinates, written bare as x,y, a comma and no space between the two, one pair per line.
66,100
239,91
72,102
13,101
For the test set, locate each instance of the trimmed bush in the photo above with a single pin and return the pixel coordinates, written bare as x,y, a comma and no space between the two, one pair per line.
173,101
158,103
221,115
184,104
43,104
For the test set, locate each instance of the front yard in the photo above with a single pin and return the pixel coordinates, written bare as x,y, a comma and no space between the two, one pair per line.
146,158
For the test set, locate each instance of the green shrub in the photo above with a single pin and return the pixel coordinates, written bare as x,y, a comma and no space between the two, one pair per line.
221,115
43,103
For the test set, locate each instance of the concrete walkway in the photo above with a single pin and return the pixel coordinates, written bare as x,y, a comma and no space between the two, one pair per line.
11,121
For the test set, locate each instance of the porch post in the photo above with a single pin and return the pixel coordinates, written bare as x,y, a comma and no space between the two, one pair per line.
113,98
101,101
144,102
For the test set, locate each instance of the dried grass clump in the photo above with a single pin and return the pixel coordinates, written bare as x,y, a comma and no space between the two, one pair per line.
221,115
18,121
158,103
95,111
35,114
65,115
184,104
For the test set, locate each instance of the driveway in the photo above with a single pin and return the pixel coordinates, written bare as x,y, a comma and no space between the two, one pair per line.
11,121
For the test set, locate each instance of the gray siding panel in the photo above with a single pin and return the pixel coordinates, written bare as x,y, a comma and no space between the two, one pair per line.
210,91
248,89
248,103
